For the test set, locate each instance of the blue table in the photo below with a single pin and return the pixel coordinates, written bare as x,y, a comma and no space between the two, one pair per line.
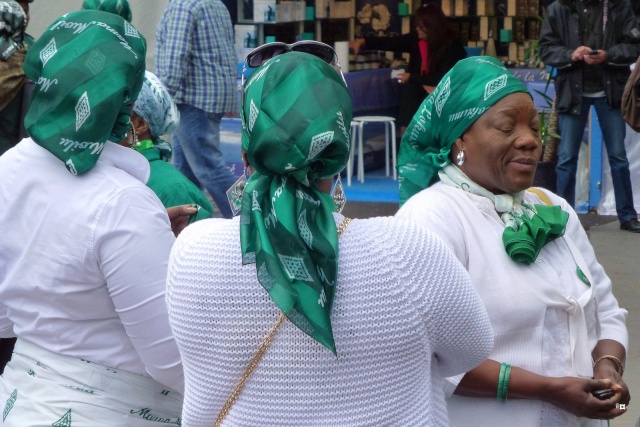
373,92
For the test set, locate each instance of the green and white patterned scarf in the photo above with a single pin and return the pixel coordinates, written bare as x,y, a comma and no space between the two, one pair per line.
296,113
156,107
119,7
88,68
469,89
527,227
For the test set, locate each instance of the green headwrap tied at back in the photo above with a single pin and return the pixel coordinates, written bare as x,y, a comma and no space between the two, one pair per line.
119,7
296,113
469,89
88,68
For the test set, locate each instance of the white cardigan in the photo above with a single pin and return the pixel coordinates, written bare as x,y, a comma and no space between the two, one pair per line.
404,316
536,311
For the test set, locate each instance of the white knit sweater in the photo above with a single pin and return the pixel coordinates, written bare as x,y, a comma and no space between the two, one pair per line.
405,315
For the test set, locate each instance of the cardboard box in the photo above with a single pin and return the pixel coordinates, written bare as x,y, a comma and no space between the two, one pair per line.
448,7
284,11
513,52
322,8
246,36
264,11
462,7
518,30
481,8
484,28
300,11
485,8
342,9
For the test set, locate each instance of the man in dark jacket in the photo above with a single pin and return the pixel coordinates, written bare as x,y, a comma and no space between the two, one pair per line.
592,43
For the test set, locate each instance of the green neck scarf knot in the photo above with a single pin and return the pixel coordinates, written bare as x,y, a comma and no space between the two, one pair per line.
528,228
524,243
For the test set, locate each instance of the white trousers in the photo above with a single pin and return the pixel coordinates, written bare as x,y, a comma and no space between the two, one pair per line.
40,388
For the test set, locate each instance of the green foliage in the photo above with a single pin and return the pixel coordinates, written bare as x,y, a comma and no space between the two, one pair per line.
545,115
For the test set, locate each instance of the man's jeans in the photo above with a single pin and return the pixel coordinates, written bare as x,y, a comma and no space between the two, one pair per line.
196,153
613,132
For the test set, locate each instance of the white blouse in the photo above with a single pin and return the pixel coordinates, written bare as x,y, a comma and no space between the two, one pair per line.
544,317
83,261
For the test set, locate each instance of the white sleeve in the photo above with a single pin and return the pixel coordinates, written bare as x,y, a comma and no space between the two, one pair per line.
457,322
132,245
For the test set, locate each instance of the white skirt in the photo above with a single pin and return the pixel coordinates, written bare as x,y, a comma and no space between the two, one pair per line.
40,388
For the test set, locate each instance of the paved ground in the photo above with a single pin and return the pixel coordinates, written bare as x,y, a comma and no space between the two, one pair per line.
615,250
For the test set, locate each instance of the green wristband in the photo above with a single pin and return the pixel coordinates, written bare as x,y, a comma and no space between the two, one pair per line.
503,382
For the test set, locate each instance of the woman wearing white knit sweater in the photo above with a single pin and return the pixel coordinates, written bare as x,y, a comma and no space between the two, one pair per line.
404,313
560,336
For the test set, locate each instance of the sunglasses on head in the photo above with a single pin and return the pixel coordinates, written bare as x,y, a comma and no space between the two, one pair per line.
263,53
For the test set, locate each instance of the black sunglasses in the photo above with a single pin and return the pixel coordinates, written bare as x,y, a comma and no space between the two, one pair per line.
263,53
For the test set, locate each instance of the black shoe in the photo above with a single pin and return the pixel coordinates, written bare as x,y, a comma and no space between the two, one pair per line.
633,225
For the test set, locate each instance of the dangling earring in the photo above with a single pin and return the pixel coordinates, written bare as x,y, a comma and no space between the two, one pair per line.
133,137
339,198
460,157
234,193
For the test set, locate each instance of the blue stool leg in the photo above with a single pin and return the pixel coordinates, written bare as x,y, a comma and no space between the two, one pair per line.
360,152
392,123
352,149
386,147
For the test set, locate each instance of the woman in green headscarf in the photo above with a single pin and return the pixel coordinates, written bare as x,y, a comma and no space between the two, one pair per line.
356,333
155,114
560,336
85,243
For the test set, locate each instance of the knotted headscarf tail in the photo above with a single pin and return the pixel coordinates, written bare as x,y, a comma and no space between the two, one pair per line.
88,68
295,115
469,89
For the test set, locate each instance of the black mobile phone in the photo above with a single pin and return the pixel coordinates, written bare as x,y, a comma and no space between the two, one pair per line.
603,394
592,52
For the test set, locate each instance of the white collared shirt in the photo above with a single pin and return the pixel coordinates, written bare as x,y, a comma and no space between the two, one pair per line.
83,260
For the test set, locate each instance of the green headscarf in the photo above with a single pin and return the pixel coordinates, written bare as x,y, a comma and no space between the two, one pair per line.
295,116
88,68
119,7
469,89
465,93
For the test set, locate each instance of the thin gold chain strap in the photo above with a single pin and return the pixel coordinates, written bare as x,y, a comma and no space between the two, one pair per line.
255,360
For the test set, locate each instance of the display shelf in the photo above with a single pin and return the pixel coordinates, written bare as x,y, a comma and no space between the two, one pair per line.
513,23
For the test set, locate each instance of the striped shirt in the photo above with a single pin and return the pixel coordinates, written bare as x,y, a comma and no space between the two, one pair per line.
196,58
